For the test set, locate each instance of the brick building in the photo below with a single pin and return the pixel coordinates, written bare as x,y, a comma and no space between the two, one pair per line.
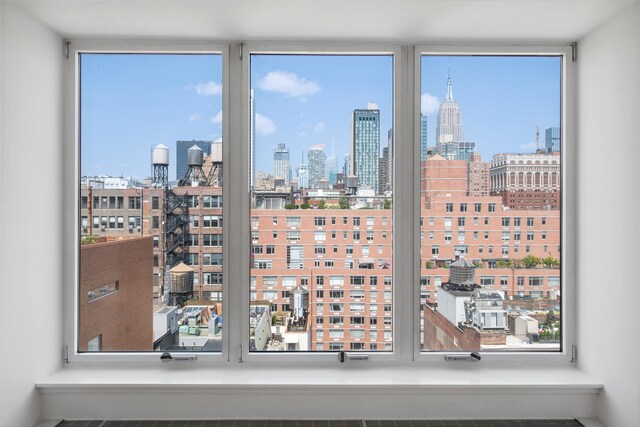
134,212
527,181
478,183
115,296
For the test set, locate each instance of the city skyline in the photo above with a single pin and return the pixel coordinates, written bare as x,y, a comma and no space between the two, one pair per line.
301,101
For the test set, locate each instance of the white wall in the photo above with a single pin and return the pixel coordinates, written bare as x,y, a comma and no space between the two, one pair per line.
31,127
608,135
30,211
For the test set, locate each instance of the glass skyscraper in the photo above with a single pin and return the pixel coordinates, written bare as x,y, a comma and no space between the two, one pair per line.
552,139
365,147
281,163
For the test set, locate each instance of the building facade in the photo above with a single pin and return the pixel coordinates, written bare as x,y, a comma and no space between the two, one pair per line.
281,166
449,126
527,181
316,159
115,300
365,146
552,139
478,176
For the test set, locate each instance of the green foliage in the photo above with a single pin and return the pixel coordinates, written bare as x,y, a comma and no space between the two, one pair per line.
343,203
304,206
551,262
88,239
531,261
322,204
290,206
387,204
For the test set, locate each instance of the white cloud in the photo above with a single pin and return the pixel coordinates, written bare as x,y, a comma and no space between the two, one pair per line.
288,84
217,119
207,89
264,125
319,127
529,146
194,118
429,104
303,133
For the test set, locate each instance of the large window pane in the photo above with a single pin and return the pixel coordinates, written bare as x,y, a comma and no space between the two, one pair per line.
321,216
151,202
490,181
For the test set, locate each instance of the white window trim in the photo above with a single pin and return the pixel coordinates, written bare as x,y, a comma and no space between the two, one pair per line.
242,292
71,158
406,323
568,202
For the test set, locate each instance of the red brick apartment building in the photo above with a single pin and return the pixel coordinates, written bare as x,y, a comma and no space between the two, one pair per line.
134,212
343,257
115,296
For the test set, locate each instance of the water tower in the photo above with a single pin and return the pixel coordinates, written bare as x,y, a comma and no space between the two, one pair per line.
160,162
195,175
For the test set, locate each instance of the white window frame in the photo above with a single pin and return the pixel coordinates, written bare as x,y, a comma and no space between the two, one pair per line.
406,242
568,203
400,81
71,157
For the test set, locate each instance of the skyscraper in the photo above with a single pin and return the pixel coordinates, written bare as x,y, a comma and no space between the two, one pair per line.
384,171
423,137
303,176
390,159
181,155
466,150
252,138
317,162
552,139
281,163
449,127
365,146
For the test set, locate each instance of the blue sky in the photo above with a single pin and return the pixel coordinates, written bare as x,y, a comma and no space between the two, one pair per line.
130,103
309,99
501,99
133,102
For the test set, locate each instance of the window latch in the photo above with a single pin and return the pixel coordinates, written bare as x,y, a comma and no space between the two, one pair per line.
471,357
167,357
343,356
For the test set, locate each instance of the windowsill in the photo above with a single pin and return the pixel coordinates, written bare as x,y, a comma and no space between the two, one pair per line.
171,378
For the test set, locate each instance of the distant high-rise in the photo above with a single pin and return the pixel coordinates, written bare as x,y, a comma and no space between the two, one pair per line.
449,127
552,139
303,176
346,166
181,155
423,137
466,150
281,163
252,138
384,171
390,157
365,146
317,162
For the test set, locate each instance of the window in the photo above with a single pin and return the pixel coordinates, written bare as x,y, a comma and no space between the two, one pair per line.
147,217
305,225
439,179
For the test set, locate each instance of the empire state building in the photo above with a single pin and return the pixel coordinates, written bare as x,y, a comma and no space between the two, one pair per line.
449,127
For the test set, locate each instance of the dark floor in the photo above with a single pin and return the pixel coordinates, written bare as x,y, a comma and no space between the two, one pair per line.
325,423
